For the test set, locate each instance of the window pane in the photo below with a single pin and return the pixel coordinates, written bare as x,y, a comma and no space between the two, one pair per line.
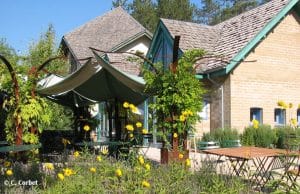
257,114
279,116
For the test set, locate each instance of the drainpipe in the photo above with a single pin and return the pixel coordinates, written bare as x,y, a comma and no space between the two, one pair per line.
222,98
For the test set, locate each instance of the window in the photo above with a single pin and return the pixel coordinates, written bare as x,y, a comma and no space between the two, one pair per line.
298,117
279,116
257,114
205,111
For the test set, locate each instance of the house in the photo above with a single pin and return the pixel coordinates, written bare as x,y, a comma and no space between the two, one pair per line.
115,33
255,63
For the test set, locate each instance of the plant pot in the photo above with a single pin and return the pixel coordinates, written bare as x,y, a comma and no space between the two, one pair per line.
172,155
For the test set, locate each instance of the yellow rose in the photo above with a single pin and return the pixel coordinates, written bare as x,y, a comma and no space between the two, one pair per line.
49,166
131,135
290,105
86,127
76,154
126,105
92,169
99,159
147,166
294,122
255,123
138,124
129,127
118,172
175,135
144,131
141,160
68,172
182,118
180,156
9,172
146,184
60,176
188,162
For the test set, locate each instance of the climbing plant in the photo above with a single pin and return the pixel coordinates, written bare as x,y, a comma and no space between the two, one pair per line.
177,95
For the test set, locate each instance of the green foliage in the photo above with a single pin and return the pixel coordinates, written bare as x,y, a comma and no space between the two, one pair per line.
172,178
33,112
285,136
215,11
263,136
221,135
178,95
148,12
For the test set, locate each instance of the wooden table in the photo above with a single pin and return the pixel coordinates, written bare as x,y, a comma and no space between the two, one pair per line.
263,159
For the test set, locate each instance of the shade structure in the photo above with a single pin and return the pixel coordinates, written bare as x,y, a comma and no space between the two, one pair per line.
96,82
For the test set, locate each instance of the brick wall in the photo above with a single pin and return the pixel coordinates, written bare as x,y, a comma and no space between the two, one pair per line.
275,76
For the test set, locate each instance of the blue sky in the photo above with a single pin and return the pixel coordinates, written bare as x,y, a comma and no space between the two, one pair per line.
23,21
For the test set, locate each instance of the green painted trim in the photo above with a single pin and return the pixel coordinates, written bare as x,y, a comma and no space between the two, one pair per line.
161,32
242,53
199,76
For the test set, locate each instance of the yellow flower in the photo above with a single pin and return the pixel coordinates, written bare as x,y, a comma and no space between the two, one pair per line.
182,118
190,113
144,131
294,122
99,159
255,123
61,176
147,166
180,156
76,154
118,172
131,135
68,172
138,124
131,106
9,172
92,169
49,166
126,105
188,162
141,160
65,141
175,135
290,105
7,164
86,127
104,151
129,127
146,184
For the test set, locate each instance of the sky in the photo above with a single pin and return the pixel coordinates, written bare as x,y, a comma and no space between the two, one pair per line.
23,21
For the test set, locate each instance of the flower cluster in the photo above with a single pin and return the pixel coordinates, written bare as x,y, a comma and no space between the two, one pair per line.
132,107
185,114
255,123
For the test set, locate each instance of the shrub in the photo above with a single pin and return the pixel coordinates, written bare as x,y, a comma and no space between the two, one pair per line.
262,136
221,135
282,134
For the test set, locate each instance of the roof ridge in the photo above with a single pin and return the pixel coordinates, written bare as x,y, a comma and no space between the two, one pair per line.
249,11
194,23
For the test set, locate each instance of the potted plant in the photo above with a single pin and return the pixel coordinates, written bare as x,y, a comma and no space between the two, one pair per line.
177,98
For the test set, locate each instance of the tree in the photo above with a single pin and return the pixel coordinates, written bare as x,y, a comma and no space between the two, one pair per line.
28,114
145,12
117,3
148,12
176,9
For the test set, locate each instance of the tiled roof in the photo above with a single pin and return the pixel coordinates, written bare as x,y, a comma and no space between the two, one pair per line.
121,62
104,32
226,38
